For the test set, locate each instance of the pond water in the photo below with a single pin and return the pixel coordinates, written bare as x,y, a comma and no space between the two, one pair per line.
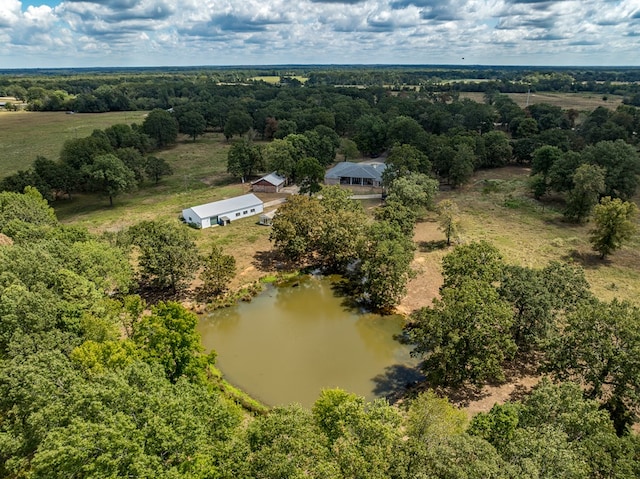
292,341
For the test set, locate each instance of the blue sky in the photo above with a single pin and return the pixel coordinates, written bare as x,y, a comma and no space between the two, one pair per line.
74,33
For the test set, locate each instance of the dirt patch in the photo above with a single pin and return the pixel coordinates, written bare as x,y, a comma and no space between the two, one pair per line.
426,285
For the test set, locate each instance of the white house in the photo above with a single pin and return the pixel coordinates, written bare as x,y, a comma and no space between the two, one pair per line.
224,211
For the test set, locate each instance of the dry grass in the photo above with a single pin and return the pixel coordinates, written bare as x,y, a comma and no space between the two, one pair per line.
25,135
566,101
496,207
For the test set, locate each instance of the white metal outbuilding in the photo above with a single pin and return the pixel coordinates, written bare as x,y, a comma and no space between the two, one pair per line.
224,211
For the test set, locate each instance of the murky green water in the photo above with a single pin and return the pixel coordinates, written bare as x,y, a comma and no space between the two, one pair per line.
291,342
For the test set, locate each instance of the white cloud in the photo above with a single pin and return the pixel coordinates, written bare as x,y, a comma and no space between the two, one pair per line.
163,32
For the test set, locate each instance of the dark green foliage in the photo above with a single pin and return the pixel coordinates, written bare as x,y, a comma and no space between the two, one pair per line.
386,255
192,123
398,215
309,174
588,183
109,175
476,261
168,257
599,346
622,165
219,270
465,336
168,336
497,150
614,224
161,126
244,158
156,168
461,166
238,123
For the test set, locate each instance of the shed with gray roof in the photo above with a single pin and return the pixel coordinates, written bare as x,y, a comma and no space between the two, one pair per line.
224,211
355,174
270,183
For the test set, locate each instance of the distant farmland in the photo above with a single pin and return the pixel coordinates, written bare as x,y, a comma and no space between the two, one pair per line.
25,135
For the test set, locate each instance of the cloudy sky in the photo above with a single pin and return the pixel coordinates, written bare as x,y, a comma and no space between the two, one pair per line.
74,33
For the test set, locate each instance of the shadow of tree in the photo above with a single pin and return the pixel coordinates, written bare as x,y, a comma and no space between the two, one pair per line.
396,380
588,260
429,246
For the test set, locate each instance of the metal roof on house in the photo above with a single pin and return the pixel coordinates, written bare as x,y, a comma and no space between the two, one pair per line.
218,208
272,178
346,169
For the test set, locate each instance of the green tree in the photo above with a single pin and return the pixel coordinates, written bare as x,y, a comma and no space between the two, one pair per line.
599,345
461,166
614,224
497,150
296,227
342,225
362,435
79,152
161,126
109,175
168,335
622,164
588,183
477,261
416,191
168,255
398,215
385,271
279,156
309,174
238,123
348,149
371,134
465,336
156,168
193,124
244,158
448,219
403,160
29,207
219,269
432,419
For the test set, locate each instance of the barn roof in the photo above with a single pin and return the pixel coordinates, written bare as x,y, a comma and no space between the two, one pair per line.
218,208
273,178
357,170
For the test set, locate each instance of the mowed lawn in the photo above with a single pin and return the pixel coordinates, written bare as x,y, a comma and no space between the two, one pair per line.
25,135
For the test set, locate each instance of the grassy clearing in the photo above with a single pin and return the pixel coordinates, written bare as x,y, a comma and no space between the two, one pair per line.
24,135
529,233
577,101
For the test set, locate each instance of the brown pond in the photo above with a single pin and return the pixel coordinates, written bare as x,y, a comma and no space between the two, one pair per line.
292,341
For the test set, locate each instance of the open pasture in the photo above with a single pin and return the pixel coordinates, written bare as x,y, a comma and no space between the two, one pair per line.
25,135
566,101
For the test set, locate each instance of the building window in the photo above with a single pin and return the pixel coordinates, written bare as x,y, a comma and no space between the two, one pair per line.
244,212
253,210
237,214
